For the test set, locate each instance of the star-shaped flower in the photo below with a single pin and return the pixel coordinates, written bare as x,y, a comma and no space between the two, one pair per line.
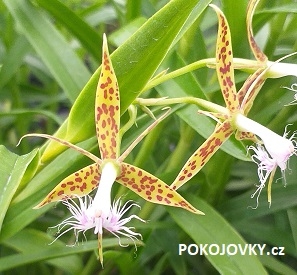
110,167
234,119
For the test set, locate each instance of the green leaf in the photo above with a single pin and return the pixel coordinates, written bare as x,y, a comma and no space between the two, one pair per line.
22,242
21,212
284,8
133,9
166,239
88,37
13,60
142,52
20,112
292,214
119,36
277,266
65,66
214,229
12,169
240,207
54,251
270,234
235,12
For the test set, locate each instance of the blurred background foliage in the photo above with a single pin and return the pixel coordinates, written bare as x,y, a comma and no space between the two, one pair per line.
48,53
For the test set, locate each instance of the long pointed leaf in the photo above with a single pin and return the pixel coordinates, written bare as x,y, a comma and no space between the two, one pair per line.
22,242
134,63
214,229
86,34
51,252
66,67
13,60
12,169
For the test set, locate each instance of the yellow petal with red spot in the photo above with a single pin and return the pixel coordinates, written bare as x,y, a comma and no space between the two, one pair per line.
203,154
246,136
151,188
224,62
80,183
250,90
107,108
259,55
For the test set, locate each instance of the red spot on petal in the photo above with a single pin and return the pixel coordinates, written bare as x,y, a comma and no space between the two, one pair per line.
159,198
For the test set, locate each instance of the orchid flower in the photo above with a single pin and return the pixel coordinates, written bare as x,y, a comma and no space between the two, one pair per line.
99,213
238,104
275,69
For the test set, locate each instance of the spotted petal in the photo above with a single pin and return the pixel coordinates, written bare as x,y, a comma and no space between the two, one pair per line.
107,109
259,55
224,62
250,89
80,183
151,188
203,154
246,136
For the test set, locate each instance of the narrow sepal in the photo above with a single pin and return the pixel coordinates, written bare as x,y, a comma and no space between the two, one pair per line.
107,108
151,188
250,90
64,142
203,154
259,55
80,183
224,62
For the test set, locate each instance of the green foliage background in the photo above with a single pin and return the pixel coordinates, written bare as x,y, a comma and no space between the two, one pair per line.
50,52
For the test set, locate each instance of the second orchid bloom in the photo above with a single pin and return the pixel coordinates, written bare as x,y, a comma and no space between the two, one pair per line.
272,150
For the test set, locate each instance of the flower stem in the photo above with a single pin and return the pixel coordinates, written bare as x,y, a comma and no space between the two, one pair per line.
185,141
132,111
148,145
183,100
239,63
